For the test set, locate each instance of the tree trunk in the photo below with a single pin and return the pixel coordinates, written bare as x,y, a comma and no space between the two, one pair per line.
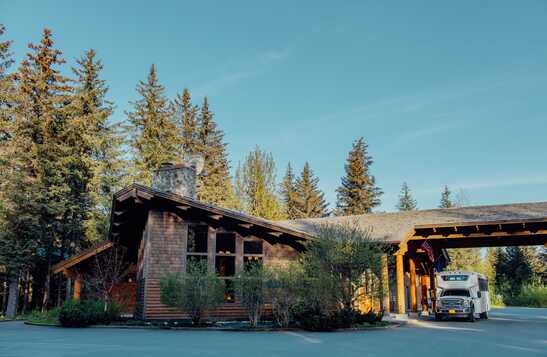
26,289
47,285
13,296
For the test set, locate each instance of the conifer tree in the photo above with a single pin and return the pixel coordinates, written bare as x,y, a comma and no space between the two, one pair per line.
39,155
406,201
358,193
467,259
97,162
215,186
153,134
289,195
446,199
311,202
255,186
6,88
186,116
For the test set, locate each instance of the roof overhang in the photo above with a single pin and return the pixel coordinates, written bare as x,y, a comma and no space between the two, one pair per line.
77,259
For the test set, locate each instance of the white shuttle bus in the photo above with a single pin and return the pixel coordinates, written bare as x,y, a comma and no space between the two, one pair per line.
462,294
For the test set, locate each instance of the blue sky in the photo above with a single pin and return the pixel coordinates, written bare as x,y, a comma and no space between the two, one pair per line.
444,92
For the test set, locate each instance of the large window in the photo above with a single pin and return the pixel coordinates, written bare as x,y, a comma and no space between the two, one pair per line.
252,253
196,245
225,262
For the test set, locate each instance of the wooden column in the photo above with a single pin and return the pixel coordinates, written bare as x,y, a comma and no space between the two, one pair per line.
401,308
385,284
211,248
433,289
77,289
413,300
68,288
423,285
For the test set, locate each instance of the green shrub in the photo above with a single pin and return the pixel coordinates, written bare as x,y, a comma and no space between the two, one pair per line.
313,318
196,291
530,296
284,284
250,288
87,312
42,317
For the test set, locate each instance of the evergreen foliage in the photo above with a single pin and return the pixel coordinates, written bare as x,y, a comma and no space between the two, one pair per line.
311,200
289,195
466,259
358,193
446,199
215,185
256,187
96,166
406,201
153,134
186,114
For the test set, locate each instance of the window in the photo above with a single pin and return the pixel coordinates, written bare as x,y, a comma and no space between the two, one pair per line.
456,292
252,247
225,266
483,284
455,277
197,239
195,259
226,243
252,253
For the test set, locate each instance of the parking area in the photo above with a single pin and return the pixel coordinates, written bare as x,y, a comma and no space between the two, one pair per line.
509,332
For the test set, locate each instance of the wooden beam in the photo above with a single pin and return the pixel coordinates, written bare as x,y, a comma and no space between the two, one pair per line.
385,284
119,213
245,225
216,217
183,207
413,298
481,235
401,297
275,234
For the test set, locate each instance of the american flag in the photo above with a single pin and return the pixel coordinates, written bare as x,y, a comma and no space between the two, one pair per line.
429,249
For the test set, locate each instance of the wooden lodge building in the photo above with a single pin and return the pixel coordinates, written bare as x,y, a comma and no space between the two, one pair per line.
163,226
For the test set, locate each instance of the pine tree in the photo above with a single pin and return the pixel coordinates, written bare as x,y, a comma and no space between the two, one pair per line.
255,186
466,259
6,88
215,186
186,116
311,202
153,134
446,200
98,167
513,271
406,201
358,193
39,155
289,195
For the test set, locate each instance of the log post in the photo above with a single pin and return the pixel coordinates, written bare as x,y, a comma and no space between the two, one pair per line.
401,308
385,284
433,290
413,299
423,285
77,289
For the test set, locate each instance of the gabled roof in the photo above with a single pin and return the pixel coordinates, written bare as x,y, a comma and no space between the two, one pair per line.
141,194
86,254
393,227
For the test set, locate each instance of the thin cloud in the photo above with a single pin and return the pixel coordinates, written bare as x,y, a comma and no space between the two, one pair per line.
258,65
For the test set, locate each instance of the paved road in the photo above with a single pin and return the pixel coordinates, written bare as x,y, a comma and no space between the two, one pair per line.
509,332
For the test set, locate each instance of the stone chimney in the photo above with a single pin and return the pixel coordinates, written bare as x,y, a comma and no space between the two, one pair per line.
179,179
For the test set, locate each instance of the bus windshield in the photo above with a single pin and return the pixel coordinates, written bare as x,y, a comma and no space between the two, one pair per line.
455,292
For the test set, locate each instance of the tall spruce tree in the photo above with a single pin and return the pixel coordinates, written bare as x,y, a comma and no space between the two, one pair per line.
98,164
256,187
446,198
406,201
153,134
358,193
186,117
311,202
289,195
215,186
42,126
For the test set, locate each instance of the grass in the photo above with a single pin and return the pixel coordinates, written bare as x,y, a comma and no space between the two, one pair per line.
39,317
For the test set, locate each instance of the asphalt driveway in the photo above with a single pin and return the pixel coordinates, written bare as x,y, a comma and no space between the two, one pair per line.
509,332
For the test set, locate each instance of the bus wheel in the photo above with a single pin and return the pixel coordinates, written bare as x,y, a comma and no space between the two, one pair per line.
484,315
438,317
471,316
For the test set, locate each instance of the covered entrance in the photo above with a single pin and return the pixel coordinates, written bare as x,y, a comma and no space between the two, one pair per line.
423,251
